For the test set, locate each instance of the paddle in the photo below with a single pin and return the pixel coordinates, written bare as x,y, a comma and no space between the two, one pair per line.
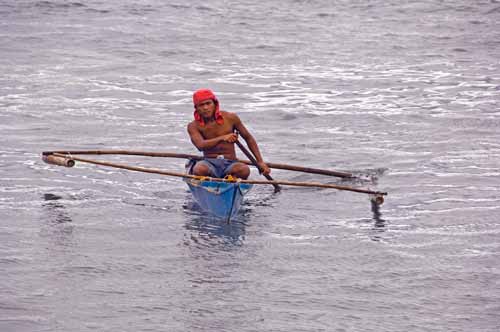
256,164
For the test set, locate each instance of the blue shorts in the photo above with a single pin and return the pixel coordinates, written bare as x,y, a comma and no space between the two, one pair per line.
218,167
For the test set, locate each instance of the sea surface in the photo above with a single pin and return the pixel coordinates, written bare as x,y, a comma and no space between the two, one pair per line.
404,94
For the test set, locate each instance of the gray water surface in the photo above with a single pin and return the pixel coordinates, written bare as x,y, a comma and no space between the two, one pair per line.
403,93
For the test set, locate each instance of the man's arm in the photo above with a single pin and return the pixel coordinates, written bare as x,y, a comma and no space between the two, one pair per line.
203,144
252,144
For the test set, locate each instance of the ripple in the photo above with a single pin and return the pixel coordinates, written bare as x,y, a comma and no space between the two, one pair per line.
413,110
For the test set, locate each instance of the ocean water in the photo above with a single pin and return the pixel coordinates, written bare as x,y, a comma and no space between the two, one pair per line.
404,94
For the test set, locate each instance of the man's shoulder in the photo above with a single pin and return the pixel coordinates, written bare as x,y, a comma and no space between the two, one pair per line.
230,116
193,125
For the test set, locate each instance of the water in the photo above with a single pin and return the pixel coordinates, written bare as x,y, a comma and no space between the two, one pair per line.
403,93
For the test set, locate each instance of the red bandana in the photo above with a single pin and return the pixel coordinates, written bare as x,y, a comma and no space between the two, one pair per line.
202,95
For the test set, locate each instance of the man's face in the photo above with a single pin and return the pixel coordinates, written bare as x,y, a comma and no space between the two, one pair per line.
206,108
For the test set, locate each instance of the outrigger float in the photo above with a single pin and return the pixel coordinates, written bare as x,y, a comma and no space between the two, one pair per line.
220,197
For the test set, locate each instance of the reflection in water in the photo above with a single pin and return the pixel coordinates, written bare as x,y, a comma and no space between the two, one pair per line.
213,270
57,218
207,230
379,225
55,209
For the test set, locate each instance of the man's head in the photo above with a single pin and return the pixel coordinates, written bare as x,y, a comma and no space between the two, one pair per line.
203,95
206,106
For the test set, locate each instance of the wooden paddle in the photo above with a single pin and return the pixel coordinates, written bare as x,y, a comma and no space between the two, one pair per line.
256,164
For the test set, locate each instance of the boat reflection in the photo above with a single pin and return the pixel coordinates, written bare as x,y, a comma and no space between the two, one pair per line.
207,230
213,268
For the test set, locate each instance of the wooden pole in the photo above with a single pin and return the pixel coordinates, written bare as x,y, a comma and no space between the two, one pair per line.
59,161
189,176
127,152
130,168
197,157
317,185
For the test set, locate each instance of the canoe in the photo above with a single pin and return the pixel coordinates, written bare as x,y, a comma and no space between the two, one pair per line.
221,199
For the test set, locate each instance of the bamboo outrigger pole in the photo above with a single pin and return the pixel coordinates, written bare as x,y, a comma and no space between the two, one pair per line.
197,157
68,160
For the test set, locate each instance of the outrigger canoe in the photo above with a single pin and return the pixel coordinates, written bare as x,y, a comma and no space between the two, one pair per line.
221,199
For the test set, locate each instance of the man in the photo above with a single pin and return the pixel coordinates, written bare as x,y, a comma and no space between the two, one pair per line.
213,132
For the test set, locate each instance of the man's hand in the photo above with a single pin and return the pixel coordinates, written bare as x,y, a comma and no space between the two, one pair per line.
264,169
230,138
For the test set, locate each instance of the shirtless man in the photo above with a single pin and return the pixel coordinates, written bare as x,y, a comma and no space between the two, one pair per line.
213,132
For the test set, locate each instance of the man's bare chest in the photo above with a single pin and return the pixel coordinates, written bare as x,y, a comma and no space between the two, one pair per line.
212,130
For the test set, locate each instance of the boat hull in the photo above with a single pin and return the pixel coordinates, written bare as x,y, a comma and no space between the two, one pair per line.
221,199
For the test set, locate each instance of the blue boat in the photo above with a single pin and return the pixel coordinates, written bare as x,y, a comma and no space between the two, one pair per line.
222,199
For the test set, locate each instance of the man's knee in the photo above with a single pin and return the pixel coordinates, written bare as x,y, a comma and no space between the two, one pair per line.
241,171
201,169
